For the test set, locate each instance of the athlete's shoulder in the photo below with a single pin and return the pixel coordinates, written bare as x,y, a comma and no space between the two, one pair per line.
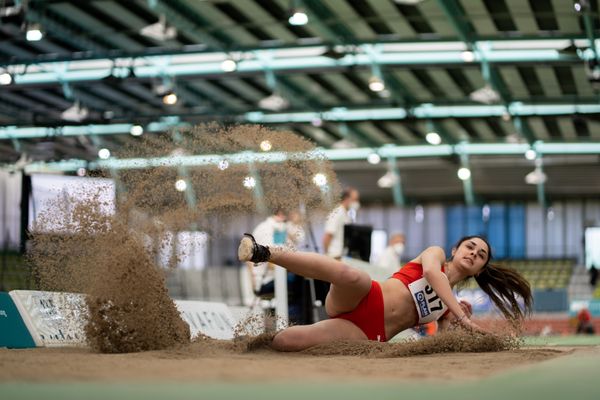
431,251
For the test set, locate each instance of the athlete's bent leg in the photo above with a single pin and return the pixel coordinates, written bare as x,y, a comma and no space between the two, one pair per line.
301,337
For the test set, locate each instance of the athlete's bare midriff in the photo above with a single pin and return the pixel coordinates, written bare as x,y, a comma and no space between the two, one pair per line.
399,309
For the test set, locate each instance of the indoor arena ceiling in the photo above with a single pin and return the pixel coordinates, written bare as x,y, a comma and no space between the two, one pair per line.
359,74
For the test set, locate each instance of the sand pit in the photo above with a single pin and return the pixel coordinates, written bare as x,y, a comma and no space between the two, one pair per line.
197,363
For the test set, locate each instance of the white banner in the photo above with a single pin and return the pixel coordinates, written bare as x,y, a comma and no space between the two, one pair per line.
211,319
57,319
54,319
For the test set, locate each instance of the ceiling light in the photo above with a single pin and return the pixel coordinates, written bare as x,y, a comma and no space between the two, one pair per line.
486,95
376,84
75,113
467,56
463,173
5,78
223,165
388,180
373,158
535,177
104,153
273,102
34,33
249,182
577,6
433,138
299,17
136,130
180,185
10,11
320,179
530,154
170,99
343,144
159,30
265,145
229,65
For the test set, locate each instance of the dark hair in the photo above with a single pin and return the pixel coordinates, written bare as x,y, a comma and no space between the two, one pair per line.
347,192
503,284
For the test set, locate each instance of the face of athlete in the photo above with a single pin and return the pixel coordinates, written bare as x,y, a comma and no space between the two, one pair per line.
471,256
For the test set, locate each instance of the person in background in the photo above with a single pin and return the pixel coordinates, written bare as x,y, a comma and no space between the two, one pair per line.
390,258
584,322
333,240
593,276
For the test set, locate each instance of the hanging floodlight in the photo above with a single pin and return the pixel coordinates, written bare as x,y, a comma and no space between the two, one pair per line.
223,165
180,185
136,130
75,113
433,138
104,154
34,33
298,18
530,154
5,78
273,102
485,95
536,177
374,158
467,56
229,65
170,99
376,84
463,173
159,31
266,145
388,180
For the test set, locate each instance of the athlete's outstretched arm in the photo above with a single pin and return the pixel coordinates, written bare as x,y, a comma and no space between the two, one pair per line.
432,259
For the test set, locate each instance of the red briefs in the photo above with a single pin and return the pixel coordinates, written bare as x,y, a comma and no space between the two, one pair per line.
369,314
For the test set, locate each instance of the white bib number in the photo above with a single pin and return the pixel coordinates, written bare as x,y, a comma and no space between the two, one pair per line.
429,305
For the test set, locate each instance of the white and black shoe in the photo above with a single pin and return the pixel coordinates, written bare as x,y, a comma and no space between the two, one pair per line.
251,251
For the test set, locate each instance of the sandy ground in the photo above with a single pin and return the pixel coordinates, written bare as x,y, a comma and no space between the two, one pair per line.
199,364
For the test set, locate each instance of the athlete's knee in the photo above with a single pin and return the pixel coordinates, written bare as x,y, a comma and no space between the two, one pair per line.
350,276
288,340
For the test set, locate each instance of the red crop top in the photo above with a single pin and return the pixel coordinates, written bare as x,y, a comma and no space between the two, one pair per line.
427,303
410,272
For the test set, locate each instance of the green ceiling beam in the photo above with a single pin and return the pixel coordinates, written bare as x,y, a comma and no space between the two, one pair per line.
335,115
423,111
386,151
296,60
